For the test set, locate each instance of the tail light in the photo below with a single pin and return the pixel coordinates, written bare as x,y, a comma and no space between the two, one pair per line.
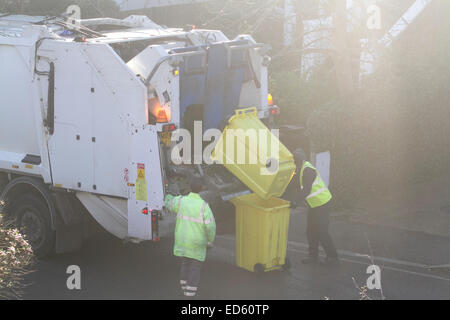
169,127
274,111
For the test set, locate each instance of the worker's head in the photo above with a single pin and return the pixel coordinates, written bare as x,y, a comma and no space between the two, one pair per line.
196,185
299,157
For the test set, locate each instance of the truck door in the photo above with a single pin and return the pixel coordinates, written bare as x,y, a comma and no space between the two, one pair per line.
146,190
71,142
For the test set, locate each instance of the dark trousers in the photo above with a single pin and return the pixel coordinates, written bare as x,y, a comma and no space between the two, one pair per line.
318,232
190,273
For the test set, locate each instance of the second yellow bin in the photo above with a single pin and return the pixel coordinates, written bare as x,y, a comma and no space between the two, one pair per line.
261,232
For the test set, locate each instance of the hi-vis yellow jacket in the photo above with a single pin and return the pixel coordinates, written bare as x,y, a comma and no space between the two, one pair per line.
195,227
320,194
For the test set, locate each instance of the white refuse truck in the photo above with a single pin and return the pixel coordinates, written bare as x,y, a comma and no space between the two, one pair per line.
87,109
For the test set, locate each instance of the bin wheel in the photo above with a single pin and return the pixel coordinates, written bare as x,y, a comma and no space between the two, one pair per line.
287,265
259,268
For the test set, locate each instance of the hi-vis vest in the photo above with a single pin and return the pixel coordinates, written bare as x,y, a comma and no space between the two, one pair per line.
320,195
195,225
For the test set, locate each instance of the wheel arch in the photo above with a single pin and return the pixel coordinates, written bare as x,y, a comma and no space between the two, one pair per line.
29,185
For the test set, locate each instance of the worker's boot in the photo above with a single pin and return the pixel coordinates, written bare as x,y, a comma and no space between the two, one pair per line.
311,260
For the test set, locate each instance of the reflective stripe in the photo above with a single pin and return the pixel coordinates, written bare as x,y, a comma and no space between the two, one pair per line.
190,294
191,288
197,220
210,220
206,222
183,282
179,203
316,193
202,210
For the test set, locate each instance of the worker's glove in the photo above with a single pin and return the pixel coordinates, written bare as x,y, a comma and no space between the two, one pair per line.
294,205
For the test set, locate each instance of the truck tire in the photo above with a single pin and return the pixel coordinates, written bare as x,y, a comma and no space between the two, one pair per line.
32,217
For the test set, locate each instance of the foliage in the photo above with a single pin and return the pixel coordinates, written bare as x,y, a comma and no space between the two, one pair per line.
395,130
255,17
16,256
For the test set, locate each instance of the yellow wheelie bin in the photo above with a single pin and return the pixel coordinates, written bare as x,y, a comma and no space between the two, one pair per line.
249,150
261,233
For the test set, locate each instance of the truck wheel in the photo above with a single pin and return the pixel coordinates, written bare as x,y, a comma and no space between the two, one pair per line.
33,219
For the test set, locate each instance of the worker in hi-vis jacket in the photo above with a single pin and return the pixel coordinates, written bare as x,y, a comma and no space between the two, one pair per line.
317,196
195,231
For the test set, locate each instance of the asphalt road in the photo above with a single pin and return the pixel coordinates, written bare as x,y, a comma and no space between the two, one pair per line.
111,269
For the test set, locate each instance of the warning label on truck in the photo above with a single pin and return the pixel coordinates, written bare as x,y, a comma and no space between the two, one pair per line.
141,183
141,171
